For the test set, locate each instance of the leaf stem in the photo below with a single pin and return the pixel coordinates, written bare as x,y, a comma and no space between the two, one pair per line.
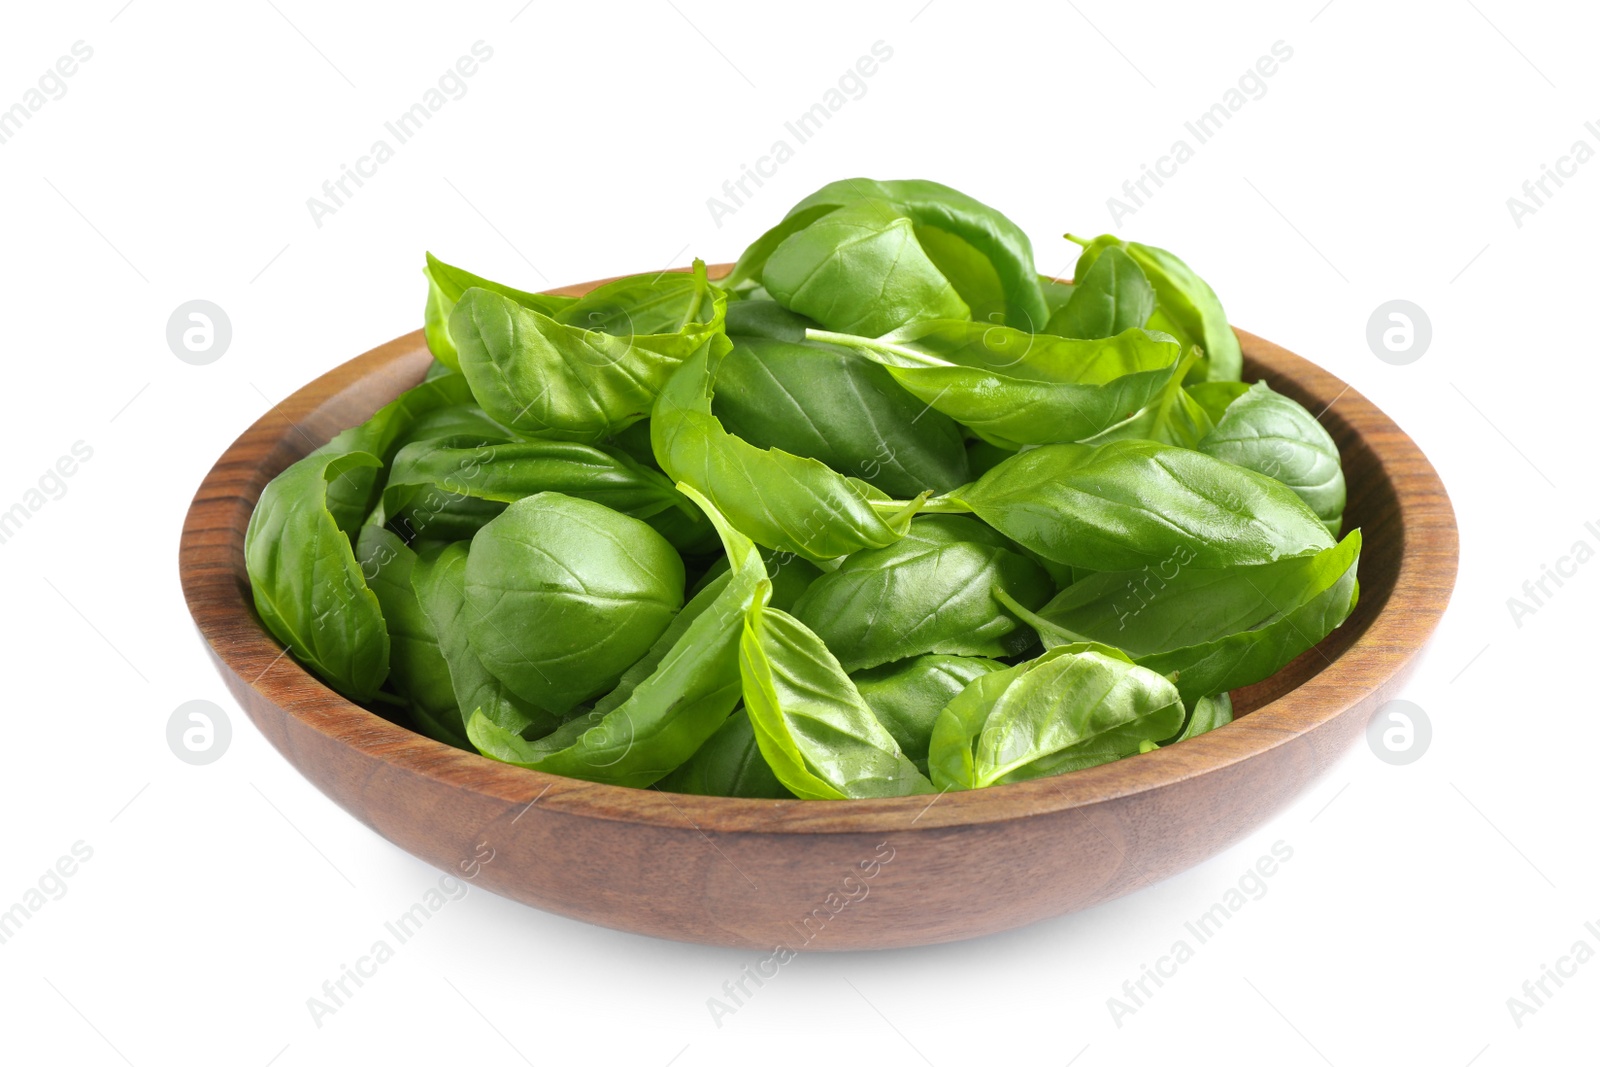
850,340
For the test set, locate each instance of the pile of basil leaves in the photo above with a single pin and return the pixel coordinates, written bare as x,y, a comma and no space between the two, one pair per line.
881,512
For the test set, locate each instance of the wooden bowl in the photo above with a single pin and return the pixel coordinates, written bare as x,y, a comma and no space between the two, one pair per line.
832,874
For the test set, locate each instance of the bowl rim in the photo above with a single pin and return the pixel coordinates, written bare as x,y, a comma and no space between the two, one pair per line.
210,563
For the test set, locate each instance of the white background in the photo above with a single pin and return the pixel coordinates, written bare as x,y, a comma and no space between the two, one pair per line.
1377,166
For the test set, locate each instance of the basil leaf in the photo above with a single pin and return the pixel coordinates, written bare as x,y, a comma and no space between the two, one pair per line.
1210,630
1186,307
779,500
817,734
1130,504
1268,433
308,588
508,472
932,591
569,376
729,764
1113,295
907,696
563,594
986,257
859,269
1014,388
430,408
1075,706
790,576
445,286
418,671
653,724
1206,715
818,402
439,580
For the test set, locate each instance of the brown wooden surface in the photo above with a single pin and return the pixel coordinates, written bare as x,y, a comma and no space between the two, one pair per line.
759,873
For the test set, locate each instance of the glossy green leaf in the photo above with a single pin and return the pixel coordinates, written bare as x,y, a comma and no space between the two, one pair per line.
1014,388
432,408
417,668
729,764
1113,295
505,473
445,286
564,594
1130,504
1075,706
1206,715
907,696
818,735
308,588
779,500
860,269
819,402
790,575
1186,307
1270,434
931,591
439,579
567,376
1211,630
981,252
655,720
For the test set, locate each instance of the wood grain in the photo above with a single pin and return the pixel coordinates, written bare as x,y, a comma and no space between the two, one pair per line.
763,873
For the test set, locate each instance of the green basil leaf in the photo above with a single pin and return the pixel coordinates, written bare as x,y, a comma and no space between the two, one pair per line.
417,668
1014,388
567,376
654,722
931,591
729,764
859,269
1075,706
430,408
308,588
790,575
439,580
1113,295
1270,434
1210,630
564,594
1206,715
1129,504
987,257
1057,295
907,696
817,734
508,472
445,286
1214,397
818,402
1186,307
779,500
